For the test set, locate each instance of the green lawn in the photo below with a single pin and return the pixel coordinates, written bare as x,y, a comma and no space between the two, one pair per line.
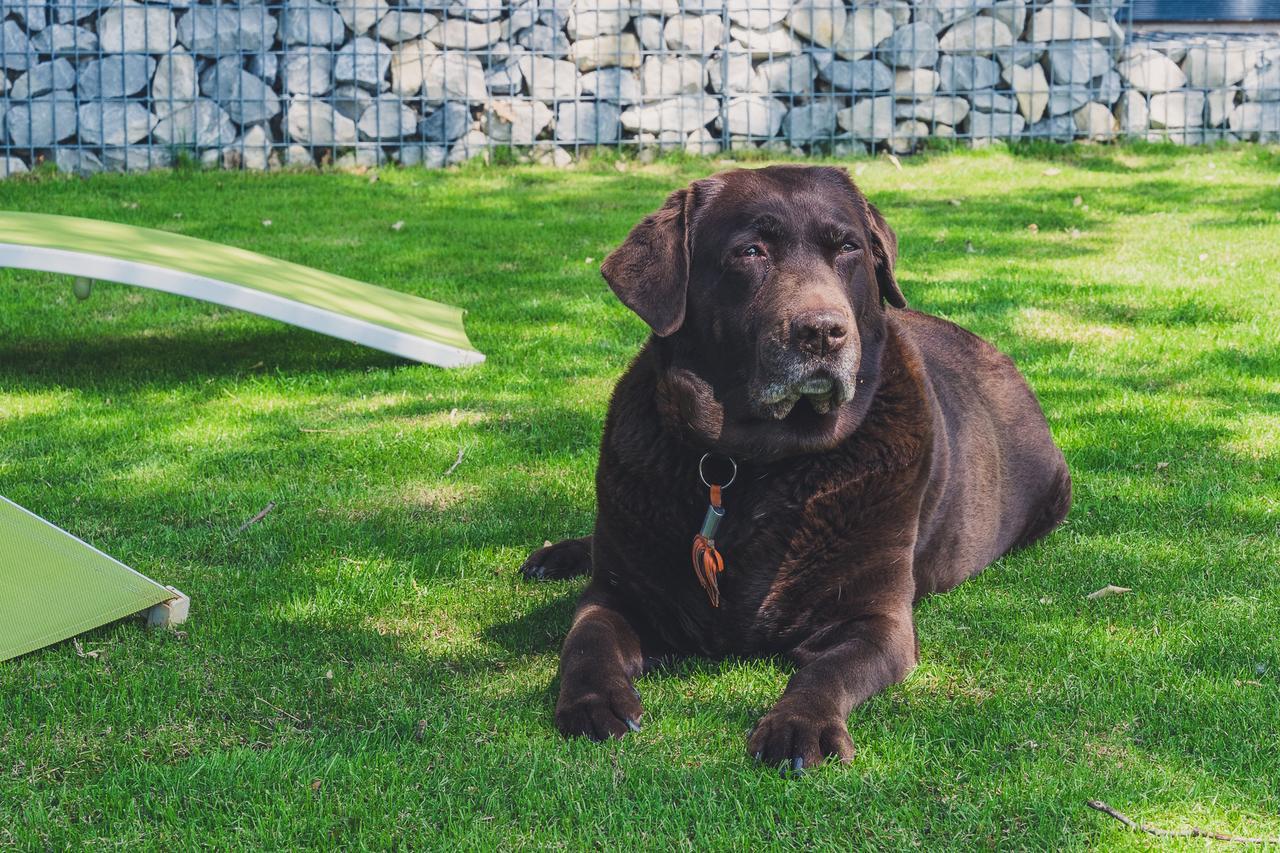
382,591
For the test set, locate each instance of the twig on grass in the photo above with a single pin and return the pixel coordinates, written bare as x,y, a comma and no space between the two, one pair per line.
456,462
1190,832
281,710
261,515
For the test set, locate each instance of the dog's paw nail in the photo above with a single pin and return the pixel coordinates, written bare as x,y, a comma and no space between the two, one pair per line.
633,725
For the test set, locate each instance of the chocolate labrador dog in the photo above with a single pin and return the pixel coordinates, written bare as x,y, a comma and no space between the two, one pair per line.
791,462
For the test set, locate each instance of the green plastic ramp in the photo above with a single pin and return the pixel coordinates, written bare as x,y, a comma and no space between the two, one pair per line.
54,586
387,320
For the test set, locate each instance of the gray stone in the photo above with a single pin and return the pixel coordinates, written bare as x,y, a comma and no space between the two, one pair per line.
298,157
454,77
812,122
387,118
701,35
504,79
991,101
360,16
664,76
130,27
616,85
1061,128
465,35
114,122
548,154
604,51
791,75
313,122
1031,88
523,15
914,83
405,25
757,14
685,113
941,14
350,101
252,152
362,62
264,65
219,30
1076,63
409,63
41,122
1256,120
864,75
987,126
516,122
1013,13
765,44
477,10
549,79
863,31
588,123
649,31
819,21
980,36
1218,63
938,110
31,13
174,84
871,119
16,50
65,40
1221,103
966,73
1095,121
42,79
114,76
69,11
1062,21
1132,114
598,18
1024,54
247,98
309,22
1066,99
755,116
76,161
203,124
426,156
1108,87
446,124
1262,83
912,46
544,40
907,136
732,73
306,71
136,158
1150,72
701,143
1177,109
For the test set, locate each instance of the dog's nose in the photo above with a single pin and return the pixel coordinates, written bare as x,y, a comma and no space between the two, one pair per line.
819,332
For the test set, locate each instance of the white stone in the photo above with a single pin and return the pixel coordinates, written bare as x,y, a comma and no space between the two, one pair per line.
819,21
244,96
1177,109
65,40
967,73
41,122
733,74
387,118
1062,21
912,46
1218,64
130,27
546,154
991,101
363,62
1031,88
16,50
1066,99
693,33
614,85
550,79
306,71
813,122
516,122
791,75
870,119
907,135
664,76
478,10
980,36
31,13
203,124
987,126
219,30
135,158
755,116
313,122
1262,83
68,11
588,123
115,76
758,14
546,41
409,66
915,83
598,18
864,75
1150,72
1096,122
649,31
42,79
701,143
765,44
405,25
1076,63
76,161
1256,119
114,122
504,79
685,113
941,110
941,14
350,101
1131,112
474,144
361,15
1221,102
863,31
309,22
601,51
426,156
1013,13
466,35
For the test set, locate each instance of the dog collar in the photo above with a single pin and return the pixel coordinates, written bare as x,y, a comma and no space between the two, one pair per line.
707,562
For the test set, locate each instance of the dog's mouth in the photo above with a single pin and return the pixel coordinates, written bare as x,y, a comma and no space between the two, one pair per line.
817,395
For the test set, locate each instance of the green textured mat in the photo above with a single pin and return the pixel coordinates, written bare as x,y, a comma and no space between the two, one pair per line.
54,586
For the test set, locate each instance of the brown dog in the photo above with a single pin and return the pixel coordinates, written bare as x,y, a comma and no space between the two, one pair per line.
880,455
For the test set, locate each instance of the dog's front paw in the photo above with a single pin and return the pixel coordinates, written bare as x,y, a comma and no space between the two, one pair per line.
562,560
797,735
600,713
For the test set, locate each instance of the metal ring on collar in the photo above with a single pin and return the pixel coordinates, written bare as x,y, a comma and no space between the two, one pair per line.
702,474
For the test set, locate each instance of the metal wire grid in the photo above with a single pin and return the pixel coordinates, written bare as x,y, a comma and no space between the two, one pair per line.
92,85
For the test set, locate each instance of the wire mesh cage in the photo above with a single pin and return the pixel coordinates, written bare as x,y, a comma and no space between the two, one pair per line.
92,85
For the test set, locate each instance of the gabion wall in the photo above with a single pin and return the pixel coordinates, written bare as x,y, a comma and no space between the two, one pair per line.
93,85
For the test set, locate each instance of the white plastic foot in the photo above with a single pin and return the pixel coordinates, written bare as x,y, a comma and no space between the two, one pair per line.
168,614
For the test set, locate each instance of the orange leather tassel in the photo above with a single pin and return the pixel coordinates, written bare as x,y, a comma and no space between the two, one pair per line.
707,565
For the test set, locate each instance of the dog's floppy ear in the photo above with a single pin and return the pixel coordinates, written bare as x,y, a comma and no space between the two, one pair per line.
650,271
884,249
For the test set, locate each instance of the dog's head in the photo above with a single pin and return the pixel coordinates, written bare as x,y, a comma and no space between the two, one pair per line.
766,291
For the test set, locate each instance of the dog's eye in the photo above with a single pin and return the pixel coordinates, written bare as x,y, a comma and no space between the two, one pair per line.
753,251
847,248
